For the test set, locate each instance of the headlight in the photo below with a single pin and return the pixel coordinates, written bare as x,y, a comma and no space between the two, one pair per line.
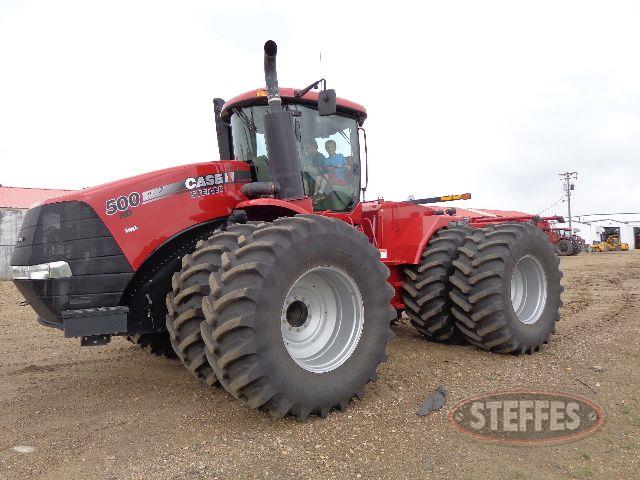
41,271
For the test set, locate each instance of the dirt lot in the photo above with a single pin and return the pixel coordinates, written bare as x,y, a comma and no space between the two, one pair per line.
115,412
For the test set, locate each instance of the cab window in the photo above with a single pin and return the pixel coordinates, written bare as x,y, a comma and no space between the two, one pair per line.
327,147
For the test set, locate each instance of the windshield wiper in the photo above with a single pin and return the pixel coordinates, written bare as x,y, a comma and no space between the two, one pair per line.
247,121
344,135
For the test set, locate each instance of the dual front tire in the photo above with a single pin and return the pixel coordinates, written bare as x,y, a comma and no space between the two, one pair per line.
189,286
281,316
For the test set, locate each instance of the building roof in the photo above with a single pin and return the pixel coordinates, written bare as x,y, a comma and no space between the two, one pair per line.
19,197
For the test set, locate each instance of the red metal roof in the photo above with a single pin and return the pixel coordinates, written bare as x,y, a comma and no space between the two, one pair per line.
19,197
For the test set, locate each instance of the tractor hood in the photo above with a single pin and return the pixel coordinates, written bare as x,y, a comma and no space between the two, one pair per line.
144,211
158,178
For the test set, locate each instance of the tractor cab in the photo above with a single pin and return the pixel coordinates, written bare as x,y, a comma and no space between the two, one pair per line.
328,147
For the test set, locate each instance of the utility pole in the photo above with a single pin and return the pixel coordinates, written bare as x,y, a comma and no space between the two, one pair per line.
566,177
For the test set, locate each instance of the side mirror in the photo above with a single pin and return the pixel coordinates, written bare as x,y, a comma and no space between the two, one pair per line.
326,102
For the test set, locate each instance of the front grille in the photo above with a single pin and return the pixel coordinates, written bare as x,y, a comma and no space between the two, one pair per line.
70,232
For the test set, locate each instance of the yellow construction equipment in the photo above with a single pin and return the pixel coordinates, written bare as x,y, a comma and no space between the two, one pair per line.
613,244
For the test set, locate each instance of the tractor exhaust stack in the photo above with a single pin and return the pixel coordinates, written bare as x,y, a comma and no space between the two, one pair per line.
284,163
271,75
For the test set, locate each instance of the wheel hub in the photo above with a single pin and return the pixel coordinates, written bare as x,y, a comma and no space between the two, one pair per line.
528,289
297,313
322,319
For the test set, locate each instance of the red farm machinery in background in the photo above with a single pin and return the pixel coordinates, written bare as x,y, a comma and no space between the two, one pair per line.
566,242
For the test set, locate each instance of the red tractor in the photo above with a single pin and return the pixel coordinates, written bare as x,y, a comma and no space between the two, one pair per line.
268,274
565,242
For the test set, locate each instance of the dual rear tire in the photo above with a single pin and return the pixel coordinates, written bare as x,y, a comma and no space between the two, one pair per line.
497,288
426,286
506,289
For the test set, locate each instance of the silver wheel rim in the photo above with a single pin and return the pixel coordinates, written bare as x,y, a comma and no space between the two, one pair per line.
528,290
322,319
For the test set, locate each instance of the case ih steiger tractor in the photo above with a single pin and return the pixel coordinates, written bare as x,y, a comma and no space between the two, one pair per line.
267,274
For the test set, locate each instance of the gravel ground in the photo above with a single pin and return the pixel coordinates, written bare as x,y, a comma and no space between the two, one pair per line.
115,412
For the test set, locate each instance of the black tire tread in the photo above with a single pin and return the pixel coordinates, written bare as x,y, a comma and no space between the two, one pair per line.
229,311
189,286
477,286
570,247
426,286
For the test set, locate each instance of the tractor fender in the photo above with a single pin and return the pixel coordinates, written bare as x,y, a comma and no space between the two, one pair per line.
429,229
145,294
268,209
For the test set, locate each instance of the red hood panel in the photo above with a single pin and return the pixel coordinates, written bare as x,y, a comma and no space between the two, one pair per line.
142,212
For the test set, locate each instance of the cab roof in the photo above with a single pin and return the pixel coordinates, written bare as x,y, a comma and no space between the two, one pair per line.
259,97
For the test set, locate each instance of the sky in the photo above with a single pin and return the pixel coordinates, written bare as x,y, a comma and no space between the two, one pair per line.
492,98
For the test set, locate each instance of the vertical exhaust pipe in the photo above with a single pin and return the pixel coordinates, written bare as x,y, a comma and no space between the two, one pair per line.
271,75
284,163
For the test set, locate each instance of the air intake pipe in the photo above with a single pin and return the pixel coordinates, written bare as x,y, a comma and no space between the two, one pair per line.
284,163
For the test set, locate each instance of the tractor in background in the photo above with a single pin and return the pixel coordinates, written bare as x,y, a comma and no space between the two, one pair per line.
565,242
268,273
